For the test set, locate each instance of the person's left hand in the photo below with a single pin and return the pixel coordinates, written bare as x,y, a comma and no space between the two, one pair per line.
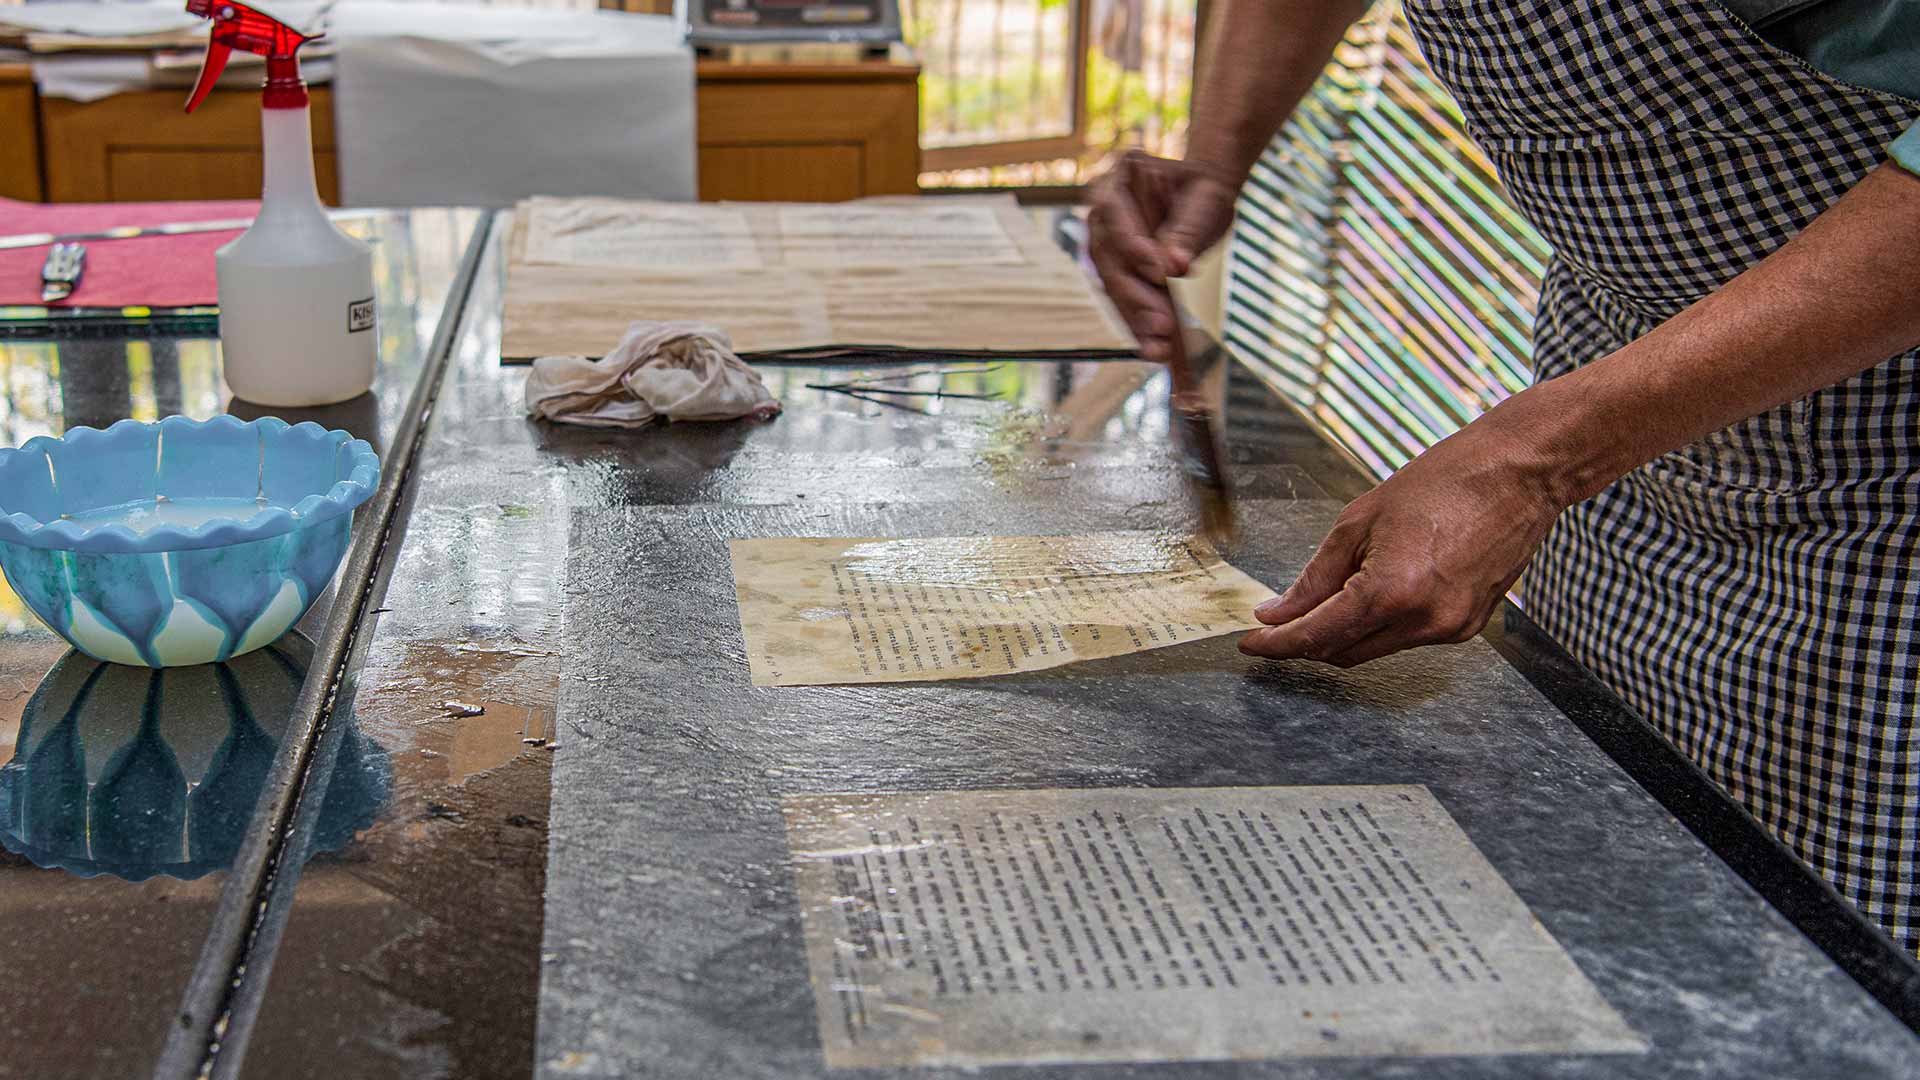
1422,559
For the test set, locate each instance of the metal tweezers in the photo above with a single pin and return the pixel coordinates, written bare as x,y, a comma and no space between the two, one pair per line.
868,385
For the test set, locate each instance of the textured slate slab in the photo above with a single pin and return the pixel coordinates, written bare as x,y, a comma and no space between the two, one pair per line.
673,942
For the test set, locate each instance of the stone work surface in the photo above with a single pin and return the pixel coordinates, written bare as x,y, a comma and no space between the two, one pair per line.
674,939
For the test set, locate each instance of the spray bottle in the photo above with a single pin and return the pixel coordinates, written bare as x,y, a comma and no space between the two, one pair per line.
297,323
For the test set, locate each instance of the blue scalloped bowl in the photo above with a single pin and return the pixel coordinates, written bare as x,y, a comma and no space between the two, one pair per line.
181,542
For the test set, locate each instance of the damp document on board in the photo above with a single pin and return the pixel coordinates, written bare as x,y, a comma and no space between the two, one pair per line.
838,610
967,928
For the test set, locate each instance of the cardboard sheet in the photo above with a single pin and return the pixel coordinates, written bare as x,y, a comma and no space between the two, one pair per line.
971,928
970,275
824,611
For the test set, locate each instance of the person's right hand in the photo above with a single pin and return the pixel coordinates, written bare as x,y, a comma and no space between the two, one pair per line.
1151,217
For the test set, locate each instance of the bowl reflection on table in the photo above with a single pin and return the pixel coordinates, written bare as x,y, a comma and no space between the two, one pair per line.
135,772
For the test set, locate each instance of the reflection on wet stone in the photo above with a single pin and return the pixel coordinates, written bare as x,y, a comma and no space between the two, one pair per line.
135,772
167,398
96,389
359,417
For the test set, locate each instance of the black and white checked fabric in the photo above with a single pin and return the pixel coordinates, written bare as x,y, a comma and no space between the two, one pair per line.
1756,594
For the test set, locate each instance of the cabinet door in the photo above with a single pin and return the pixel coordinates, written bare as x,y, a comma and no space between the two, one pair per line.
143,147
19,136
799,172
811,138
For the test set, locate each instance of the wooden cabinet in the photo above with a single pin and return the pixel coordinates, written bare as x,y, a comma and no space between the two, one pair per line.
799,132
808,133
143,147
19,135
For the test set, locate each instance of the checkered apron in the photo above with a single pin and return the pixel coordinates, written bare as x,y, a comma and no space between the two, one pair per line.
1756,595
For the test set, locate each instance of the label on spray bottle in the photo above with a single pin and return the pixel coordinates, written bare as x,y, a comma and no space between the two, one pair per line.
360,315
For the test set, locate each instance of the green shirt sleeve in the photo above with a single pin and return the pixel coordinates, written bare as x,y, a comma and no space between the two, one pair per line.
1906,150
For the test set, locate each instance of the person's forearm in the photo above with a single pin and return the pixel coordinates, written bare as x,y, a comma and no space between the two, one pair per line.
1259,60
1841,297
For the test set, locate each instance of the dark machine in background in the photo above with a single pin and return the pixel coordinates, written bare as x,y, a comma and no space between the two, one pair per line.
871,24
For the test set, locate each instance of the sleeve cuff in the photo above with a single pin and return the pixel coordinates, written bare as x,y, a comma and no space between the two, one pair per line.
1906,150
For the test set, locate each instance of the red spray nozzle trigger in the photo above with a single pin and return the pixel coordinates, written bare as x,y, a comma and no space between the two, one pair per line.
237,26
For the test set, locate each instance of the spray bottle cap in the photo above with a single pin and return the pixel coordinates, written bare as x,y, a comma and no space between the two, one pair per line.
237,26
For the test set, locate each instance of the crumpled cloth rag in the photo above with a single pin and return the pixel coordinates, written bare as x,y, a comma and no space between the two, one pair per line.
670,370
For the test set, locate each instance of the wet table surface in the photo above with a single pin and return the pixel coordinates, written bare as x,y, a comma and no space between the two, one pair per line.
125,794
548,838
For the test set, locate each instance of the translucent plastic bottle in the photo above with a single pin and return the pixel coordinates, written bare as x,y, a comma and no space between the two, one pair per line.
298,325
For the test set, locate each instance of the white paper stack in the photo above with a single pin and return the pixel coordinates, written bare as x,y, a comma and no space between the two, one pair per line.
443,104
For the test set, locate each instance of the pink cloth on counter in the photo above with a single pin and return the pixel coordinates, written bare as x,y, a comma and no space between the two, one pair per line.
147,271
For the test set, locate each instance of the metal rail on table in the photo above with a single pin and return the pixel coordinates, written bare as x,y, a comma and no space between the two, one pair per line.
209,1033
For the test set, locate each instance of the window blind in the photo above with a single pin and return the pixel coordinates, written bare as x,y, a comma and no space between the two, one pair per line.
1378,277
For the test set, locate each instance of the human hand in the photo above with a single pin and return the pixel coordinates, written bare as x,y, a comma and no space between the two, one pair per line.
1424,558
1151,217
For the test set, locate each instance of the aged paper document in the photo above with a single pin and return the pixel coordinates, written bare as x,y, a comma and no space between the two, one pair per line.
958,274
855,234
1125,925
820,611
639,235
